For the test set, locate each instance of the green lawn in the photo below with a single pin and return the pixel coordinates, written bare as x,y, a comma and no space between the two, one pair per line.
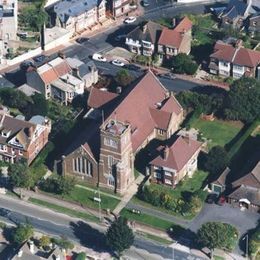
219,132
64,210
86,198
155,238
150,221
216,257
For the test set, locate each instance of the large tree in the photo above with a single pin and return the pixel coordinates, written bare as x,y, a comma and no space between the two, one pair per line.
217,235
20,175
254,243
243,100
183,63
22,233
119,236
123,77
216,160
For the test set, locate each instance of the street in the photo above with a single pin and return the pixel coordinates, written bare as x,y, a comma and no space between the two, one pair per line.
87,234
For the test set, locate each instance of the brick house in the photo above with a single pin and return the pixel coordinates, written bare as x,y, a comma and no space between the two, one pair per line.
144,38
104,154
245,192
79,15
233,60
22,139
174,161
175,41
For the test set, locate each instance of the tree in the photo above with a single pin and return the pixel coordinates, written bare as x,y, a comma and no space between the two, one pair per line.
119,236
217,235
216,160
254,243
81,256
22,233
65,184
63,243
183,63
44,241
20,175
243,100
123,77
40,105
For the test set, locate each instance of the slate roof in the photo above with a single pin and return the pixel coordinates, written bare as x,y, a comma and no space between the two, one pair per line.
5,83
151,33
239,56
73,8
179,153
235,8
221,180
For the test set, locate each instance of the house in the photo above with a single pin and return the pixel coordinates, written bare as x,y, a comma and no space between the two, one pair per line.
28,251
79,15
245,192
174,161
22,139
118,8
218,185
8,24
144,38
237,11
88,72
104,152
62,79
175,41
233,60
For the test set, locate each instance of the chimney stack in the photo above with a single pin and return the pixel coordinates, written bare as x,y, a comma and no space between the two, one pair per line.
173,22
165,152
31,246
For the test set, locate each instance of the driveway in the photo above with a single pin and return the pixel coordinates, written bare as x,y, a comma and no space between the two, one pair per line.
242,220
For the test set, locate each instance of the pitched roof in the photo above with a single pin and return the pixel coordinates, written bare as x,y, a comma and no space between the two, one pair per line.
136,106
179,153
161,118
240,56
97,98
252,179
149,31
221,180
174,37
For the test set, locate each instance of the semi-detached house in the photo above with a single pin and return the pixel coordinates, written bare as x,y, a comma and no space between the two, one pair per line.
234,61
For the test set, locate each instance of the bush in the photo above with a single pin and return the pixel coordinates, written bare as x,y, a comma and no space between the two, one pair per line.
22,233
254,243
183,63
81,256
63,243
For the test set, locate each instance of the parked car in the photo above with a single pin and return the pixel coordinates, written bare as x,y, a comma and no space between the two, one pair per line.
167,76
212,198
98,57
39,58
120,38
145,3
130,19
221,200
132,67
82,40
118,63
26,64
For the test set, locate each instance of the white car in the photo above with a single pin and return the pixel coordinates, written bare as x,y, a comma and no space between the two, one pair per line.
130,19
118,63
98,57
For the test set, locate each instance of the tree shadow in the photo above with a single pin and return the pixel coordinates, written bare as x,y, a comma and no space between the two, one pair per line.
89,237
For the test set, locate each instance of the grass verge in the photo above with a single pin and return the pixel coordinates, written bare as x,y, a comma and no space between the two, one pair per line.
64,210
155,238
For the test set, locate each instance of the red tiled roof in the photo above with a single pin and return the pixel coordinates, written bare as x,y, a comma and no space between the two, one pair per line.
136,106
180,152
240,56
172,105
184,25
62,68
161,118
174,37
98,98
49,76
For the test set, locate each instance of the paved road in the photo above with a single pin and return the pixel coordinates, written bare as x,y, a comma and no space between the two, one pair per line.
87,234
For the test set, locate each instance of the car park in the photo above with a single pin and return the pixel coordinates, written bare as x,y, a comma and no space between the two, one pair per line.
118,63
130,19
82,40
98,57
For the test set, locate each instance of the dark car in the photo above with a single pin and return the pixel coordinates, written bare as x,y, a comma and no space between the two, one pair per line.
212,198
39,58
26,64
132,67
82,40
167,76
